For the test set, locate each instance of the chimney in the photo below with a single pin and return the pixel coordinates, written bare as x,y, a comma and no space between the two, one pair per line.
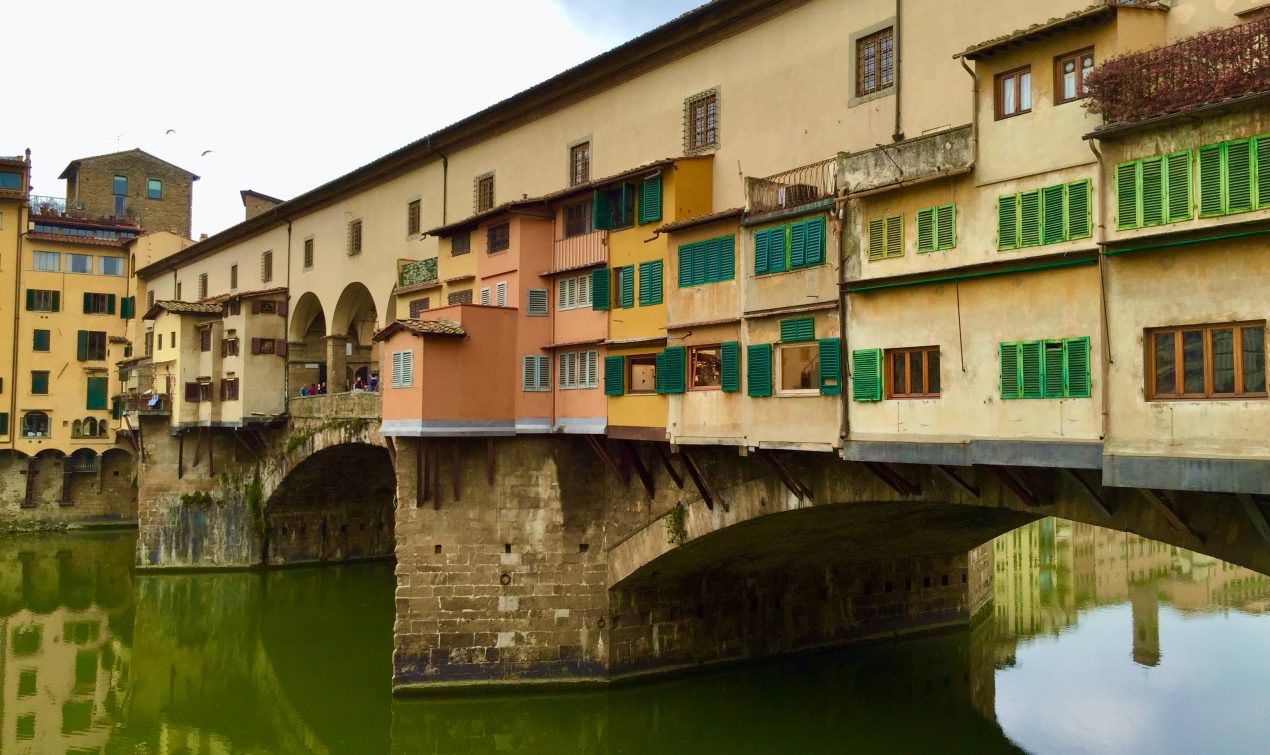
256,203
202,237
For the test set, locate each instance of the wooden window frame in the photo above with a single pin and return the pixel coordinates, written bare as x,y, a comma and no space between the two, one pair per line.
1148,343
579,226
692,364
923,352
414,217
202,286
580,163
631,361
998,92
1075,56
883,81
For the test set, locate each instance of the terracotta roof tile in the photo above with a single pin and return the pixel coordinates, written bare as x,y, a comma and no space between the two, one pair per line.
439,327
182,308
1053,25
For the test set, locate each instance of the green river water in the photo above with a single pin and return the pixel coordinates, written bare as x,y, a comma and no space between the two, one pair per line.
1096,641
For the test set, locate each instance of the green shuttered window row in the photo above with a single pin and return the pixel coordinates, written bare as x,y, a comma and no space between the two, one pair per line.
937,228
709,261
1234,176
1057,368
789,247
886,237
1153,191
1044,216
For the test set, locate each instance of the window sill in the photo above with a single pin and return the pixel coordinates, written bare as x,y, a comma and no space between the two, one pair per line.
861,99
799,394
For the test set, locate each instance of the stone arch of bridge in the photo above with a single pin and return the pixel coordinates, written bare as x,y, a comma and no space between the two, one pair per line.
354,320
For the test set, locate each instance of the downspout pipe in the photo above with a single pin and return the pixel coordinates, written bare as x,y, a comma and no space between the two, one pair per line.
899,77
1104,399
974,113
445,179
286,324
20,231
841,217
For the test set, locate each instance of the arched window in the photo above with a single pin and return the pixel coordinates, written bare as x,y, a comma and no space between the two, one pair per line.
77,429
35,425
90,428
102,428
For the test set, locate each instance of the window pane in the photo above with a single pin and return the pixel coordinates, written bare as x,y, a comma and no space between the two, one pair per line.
899,375
120,186
110,265
1254,348
1069,79
1193,361
915,371
1224,360
80,263
50,261
1025,92
1165,363
932,372
1086,66
706,368
1007,95
154,188
799,367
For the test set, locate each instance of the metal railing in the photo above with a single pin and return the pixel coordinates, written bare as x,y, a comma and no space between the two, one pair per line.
792,188
419,271
1204,69
147,403
579,251
48,207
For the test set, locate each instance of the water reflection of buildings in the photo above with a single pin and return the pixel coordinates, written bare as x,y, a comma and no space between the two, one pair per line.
1046,573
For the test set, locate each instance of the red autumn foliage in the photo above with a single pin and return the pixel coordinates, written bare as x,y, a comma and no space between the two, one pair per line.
1207,68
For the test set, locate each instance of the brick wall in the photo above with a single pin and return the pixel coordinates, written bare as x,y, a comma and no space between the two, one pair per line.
93,188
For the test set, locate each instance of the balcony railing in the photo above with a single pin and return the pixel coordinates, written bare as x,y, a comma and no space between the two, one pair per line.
792,188
1201,70
49,207
580,251
419,271
154,403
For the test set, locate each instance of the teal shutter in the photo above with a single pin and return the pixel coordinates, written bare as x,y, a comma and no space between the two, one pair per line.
1007,223
88,303
1076,365
57,301
614,375
815,241
600,297
30,299
626,286
946,226
671,371
866,375
650,200
762,251
777,249
97,393
1210,181
1031,370
42,339
798,329
4,423
797,245
1010,379
701,263
1152,191
926,230
1127,198
730,366
758,373
1030,218
81,346
1263,170
659,372
727,258
686,253
650,283
1178,190
123,308
110,304
1054,378
39,383
709,251
830,366
1053,221
1239,186
116,408
602,211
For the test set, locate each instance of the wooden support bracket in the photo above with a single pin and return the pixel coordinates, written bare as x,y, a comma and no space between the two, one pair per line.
597,446
1100,504
1256,514
1160,500
698,479
950,473
796,486
670,468
250,449
1015,486
641,470
894,480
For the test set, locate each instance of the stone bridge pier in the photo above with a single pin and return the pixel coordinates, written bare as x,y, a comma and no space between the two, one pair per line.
555,560
314,486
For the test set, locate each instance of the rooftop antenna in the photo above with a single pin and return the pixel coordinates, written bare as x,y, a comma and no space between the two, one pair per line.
118,138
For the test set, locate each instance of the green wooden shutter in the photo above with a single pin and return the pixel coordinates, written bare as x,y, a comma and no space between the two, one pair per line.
600,296
686,252
88,303
758,373
1054,377
1210,181
42,338
946,226
39,383
830,366
1262,153
730,366
877,239
1239,182
895,236
57,302
701,264
798,329
614,375
1076,372
1152,188
1008,222
1009,358
650,200
815,241
97,393
926,230
81,346
727,258
670,370
797,245
1031,369
1053,221
116,408
1030,218
30,299
1079,209
650,283
1127,199
776,251
626,286
1178,188
762,251
709,260
602,211
110,304
866,374
123,308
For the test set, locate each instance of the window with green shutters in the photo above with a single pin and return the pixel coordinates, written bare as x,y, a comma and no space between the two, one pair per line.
41,340
830,366
1044,216
709,261
866,375
650,283
671,368
937,228
730,366
798,329
39,382
626,286
38,300
601,298
1234,176
886,237
96,393
4,423
614,207
758,374
794,246
128,307
614,375
1053,368
1153,191
650,200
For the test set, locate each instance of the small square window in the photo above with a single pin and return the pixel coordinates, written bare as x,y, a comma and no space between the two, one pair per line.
912,373
641,374
48,261
154,189
460,243
1014,92
79,263
110,265
498,237
577,219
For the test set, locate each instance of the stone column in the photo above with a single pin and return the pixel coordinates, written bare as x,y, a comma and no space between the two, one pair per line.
336,364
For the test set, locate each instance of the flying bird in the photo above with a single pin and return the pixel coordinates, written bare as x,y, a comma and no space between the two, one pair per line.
206,152
170,131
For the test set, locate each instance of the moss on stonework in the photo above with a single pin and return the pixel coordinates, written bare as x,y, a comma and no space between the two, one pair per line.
347,425
676,531
200,499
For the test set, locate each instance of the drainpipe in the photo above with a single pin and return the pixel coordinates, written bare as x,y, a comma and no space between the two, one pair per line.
445,179
899,78
840,210
1102,296
974,113
20,231
286,325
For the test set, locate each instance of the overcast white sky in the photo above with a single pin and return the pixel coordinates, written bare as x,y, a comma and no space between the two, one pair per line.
286,94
